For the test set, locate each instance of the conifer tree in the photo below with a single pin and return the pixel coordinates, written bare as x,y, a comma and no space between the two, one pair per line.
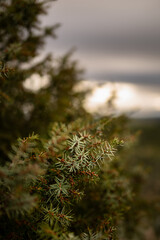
25,111
68,185
79,194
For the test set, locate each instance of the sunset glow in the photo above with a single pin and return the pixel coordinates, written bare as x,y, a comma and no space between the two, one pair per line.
129,98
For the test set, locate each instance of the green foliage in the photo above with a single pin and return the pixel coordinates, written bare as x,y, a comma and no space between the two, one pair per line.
76,182
16,176
24,110
78,192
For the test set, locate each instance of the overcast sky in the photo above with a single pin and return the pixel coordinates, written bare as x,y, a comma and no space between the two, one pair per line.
116,40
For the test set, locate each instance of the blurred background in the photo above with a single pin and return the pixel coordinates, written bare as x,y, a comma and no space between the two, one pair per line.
118,43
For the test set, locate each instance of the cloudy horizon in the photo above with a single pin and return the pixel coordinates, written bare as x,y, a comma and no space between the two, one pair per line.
114,41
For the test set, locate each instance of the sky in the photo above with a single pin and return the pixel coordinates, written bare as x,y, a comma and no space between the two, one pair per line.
116,41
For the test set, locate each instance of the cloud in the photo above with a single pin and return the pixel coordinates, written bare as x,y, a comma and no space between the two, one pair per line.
116,41
151,79
130,98
108,26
